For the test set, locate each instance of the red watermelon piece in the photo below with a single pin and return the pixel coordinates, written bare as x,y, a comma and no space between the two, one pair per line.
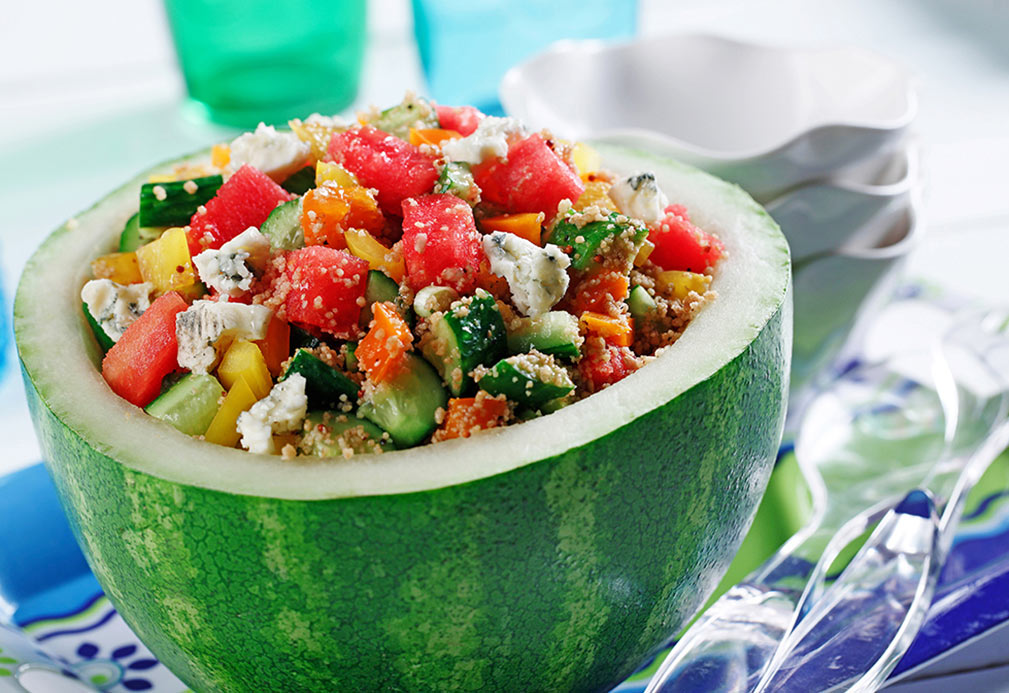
146,353
394,167
462,119
679,245
245,200
323,287
440,243
605,364
532,178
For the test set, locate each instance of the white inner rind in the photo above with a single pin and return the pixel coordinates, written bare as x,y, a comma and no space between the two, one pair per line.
61,359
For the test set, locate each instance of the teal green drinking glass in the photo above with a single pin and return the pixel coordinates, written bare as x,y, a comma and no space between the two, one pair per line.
246,61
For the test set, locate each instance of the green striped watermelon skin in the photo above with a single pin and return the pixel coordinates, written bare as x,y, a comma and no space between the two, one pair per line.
563,575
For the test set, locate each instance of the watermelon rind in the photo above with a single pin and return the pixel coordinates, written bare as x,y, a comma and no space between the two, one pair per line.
548,556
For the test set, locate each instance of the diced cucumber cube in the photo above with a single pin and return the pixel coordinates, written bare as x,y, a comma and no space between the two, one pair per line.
529,380
325,386
283,226
433,299
332,434
190,404
555,332
470,334
406,406
642,305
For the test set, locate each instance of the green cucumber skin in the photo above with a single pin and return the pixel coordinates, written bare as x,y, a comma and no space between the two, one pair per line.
479,338
300,182
103,339
583,252
381,288
505,379
134,235
561,575
323,383
179,205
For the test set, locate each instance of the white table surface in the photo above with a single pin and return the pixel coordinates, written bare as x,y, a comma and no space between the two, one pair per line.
90,94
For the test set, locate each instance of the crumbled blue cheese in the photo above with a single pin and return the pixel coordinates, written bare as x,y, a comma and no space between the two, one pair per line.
281,411
537,277
115,306
277,154
231,268
489,140
639,197
198,328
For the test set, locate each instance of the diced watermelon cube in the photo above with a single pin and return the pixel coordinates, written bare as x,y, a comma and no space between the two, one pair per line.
395,168
679,245
146,353
605,364
531,179
462,119
245,200
323,287
440,243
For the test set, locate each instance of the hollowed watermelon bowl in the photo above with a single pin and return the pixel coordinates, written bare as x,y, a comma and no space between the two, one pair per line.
554,555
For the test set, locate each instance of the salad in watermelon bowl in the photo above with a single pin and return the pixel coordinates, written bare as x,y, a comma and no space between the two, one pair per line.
427,400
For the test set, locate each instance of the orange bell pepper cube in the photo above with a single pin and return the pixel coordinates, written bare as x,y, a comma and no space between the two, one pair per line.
432,136
593,292
276,345
616,331
380,353
467,415
327,211
528,225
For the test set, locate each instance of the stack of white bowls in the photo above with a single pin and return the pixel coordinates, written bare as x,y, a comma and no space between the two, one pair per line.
819,136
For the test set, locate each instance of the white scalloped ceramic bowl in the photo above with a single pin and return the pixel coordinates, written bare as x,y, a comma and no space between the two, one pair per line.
852,209
853,237
765,117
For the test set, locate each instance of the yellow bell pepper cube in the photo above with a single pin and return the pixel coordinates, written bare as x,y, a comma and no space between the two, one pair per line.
222,429
165,263
335,174
644,252
586,159
365,246
243,359
220,155
121,268
596,194
316,134
682,283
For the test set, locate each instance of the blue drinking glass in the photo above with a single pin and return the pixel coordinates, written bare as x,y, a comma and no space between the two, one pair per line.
466,47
